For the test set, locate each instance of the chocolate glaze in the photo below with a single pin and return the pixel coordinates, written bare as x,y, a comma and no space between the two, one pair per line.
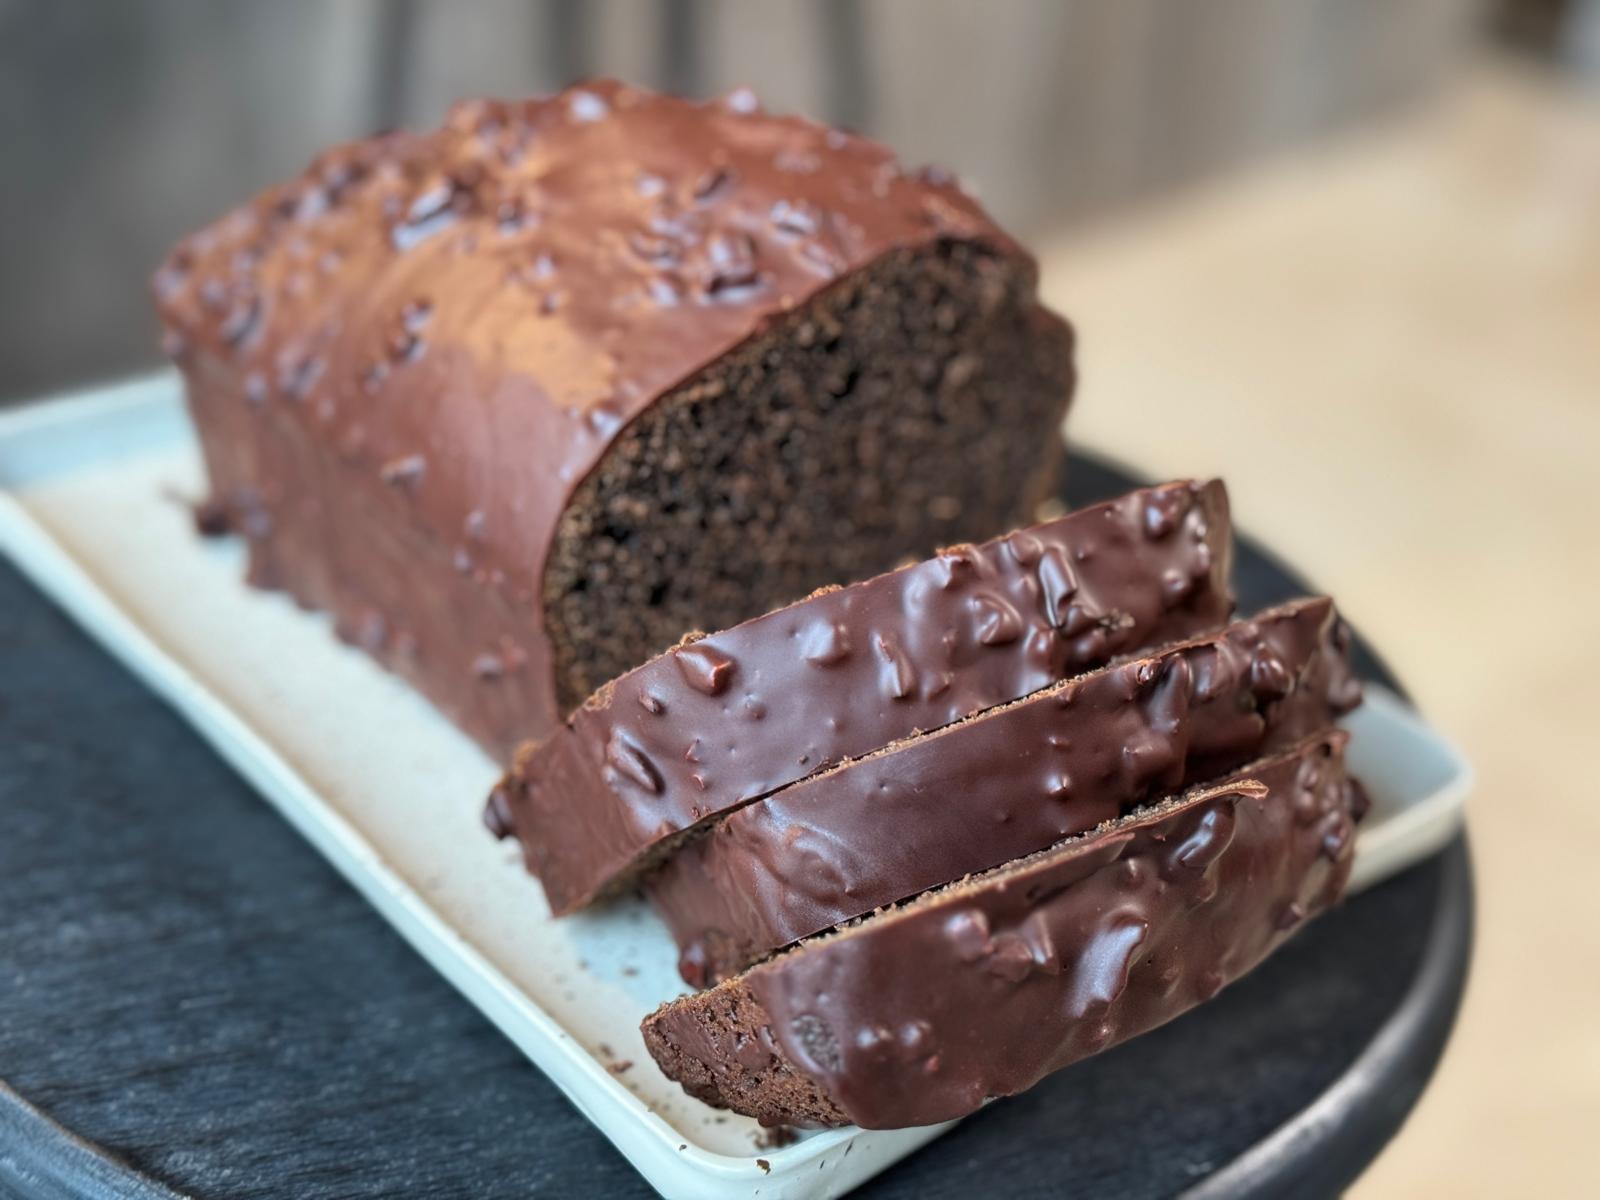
403,362
713,724
999,786
919,1014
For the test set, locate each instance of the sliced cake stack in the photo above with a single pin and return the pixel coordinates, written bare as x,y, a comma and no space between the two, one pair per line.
937,834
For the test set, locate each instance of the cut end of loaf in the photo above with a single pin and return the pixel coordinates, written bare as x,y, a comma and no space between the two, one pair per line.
718,1046
915,404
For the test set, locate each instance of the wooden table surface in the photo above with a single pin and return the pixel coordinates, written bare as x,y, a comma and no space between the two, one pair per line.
1390,346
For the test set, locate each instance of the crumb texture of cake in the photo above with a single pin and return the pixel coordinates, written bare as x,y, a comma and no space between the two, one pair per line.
1000,785
522,399
728,718
918,1014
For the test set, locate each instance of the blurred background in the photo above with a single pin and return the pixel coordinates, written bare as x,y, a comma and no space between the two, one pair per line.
1344,252
127,122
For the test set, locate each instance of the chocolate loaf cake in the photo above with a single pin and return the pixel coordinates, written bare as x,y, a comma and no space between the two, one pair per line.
727,718
522,399
934,808
920,1013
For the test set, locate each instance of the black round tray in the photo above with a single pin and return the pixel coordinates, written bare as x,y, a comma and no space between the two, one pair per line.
192,1001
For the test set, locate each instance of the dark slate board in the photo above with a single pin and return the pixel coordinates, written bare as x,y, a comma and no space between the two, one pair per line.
193,993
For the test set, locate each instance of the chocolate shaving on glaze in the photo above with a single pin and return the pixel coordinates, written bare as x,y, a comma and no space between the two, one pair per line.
211,519
509,237
920,1013
849,670
997,786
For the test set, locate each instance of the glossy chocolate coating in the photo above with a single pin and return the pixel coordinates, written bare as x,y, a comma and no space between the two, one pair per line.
920,1014
403,362
1000,786
739,714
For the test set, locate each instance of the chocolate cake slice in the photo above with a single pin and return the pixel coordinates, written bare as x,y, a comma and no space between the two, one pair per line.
724,719
522,399
920,1013
1010,781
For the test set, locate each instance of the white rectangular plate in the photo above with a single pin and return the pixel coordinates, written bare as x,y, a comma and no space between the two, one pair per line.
93,493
